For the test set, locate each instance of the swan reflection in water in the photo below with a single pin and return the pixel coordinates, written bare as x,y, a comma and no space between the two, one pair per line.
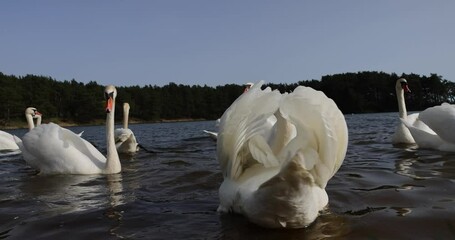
62,194
328,225
420,164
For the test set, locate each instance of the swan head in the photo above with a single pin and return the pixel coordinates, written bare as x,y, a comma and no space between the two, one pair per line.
248,85
110,93
31,111
126,106
402,85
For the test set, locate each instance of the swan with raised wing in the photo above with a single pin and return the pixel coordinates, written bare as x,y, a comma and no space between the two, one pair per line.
51,149
125,141
436,128
277,152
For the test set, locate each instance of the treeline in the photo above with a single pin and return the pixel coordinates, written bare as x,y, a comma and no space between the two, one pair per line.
83,103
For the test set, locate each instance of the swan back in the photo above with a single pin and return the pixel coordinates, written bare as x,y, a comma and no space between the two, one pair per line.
441,120
7,141
52,149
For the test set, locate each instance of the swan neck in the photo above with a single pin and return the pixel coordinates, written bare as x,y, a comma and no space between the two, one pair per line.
112,159
38,120
126,112
401,103
30,122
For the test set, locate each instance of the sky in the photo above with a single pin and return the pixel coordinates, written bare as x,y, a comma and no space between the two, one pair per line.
208,42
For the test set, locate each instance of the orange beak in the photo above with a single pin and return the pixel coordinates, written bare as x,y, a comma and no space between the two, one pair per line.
109,105
406,88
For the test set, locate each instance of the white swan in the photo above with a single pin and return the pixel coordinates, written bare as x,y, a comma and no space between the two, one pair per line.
30,114
277,153
7,141
55,150
402,134
438,127
125,141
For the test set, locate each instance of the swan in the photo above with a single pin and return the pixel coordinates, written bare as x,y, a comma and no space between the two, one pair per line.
402,134
7,141
438,127
32,113
277,153
125,141
54,150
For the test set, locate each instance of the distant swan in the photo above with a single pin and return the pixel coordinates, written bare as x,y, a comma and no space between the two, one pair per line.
125,141
54,150
7,141
277,152
402,134
30,114
438,127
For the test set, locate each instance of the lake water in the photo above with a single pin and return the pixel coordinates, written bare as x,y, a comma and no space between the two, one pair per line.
380,191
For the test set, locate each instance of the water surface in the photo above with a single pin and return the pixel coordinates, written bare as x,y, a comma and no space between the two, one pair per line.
171,191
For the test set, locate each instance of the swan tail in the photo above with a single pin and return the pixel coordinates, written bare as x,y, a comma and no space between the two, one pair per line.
121,138
290,199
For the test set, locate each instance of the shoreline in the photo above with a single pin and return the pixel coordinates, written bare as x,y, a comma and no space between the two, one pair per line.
21,125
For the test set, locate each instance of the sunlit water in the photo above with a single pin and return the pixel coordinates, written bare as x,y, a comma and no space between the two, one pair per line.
171,192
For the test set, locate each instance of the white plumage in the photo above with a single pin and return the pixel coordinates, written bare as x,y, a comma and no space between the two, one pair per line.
54,150
402,134
7,142
436,128
277,153
125,141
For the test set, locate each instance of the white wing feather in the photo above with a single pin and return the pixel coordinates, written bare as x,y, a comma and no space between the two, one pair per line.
441,119
53,149
246,117
321,132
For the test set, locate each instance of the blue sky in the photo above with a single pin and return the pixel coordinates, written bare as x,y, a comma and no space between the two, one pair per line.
220,42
